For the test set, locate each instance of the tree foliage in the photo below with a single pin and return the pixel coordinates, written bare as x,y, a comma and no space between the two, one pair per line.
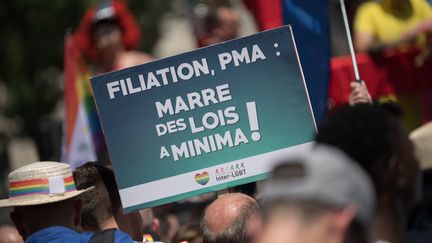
31,51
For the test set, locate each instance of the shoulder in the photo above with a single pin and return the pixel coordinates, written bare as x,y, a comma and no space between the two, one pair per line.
367,16
121,237
370,8
132,58
58,234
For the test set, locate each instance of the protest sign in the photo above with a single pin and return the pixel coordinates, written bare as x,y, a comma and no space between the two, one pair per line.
206,120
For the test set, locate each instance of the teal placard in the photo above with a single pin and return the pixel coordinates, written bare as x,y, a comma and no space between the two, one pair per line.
202,98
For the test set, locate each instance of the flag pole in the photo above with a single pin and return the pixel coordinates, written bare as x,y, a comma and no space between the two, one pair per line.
350,44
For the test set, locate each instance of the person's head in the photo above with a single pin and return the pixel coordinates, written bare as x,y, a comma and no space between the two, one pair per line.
107,34
107,37
43,194
9,234
321,196
233,217
377,141
150,224
147,217
102,208
97,206
30,219
106,31
221,24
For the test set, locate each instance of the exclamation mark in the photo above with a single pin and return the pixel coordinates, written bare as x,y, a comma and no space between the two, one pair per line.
253,120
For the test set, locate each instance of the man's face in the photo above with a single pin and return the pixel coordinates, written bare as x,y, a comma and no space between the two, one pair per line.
107,38
229,23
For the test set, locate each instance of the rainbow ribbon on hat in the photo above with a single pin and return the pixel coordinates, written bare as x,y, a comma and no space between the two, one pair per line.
37,186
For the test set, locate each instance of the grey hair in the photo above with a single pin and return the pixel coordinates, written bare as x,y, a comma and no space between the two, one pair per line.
237,232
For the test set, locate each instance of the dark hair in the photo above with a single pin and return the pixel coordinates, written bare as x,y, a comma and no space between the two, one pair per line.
112,22
104,200
367,133
238,232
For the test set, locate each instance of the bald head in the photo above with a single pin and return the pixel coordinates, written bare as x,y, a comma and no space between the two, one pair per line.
232,217
222,213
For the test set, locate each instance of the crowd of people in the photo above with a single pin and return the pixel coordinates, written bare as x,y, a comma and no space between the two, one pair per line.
365,179
360,182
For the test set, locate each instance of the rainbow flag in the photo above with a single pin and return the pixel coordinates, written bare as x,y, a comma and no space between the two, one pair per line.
81,128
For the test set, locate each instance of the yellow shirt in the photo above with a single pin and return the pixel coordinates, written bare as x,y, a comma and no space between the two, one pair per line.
373,19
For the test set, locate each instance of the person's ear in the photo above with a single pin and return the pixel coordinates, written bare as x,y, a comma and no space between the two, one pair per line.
77,206
340,224
16,218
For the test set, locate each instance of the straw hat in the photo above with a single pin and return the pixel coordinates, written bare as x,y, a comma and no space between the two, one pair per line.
41,183
422,140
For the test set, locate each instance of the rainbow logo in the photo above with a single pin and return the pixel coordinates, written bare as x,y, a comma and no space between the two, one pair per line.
202,178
